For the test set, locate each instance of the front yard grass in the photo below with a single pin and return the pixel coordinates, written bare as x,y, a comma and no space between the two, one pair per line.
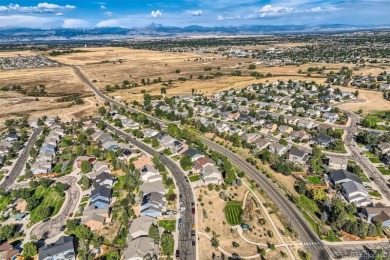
168,225
375,193
49,198
233,212
383,170
316,180
194,178
374,160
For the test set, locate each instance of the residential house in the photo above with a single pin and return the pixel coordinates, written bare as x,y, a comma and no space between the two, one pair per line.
338,163
150,174
278,148
355,192
11,137
300,135
331,117
80,159
323,140
285,129
250,137
141,248
140,226
376,213
153,204
150,132
261,143
384,148
109,145
8,252
94,221
62,249
341,176
298,156
155,186
105,179
313,112
100,196
308,124
142,161
194,154
200,163
211,175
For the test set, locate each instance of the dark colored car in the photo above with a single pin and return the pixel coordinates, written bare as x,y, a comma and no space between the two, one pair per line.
70,215
177,254
193,233
193,208
193,242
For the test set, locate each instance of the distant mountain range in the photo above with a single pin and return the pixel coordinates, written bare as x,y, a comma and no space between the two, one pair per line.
156,30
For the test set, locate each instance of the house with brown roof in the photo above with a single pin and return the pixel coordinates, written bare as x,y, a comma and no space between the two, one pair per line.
200,163
7,251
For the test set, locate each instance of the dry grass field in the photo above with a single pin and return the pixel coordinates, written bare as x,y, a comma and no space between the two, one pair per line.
374,101
7,54
57,80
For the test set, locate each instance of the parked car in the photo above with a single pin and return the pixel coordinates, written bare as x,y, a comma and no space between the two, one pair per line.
177,254
193,242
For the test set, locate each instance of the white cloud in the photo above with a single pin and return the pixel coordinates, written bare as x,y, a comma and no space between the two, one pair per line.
157,14
39,8
197,13
108,14
59,14
111,23
26,21
75,23
102,7
269,10
220,18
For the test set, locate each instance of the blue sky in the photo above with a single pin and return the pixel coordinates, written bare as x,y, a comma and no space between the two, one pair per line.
139,13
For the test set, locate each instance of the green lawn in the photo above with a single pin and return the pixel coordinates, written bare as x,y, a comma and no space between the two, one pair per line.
369,154
384,170
49,198
374,160
375,193
233,212
194,178
168,225
314,180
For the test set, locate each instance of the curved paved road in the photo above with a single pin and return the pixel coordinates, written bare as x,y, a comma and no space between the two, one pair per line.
187,251
53,226
21,161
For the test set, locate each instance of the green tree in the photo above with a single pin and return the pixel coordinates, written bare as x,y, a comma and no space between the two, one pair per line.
72,224
167,244
155,142
85,167
154,233
29,250
83,232
185,162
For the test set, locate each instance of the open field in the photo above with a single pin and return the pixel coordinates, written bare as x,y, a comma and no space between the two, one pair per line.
7,54
57,80
374,101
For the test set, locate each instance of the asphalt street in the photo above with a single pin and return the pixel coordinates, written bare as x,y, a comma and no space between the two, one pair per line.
310,240
21,160
187,251
361,159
